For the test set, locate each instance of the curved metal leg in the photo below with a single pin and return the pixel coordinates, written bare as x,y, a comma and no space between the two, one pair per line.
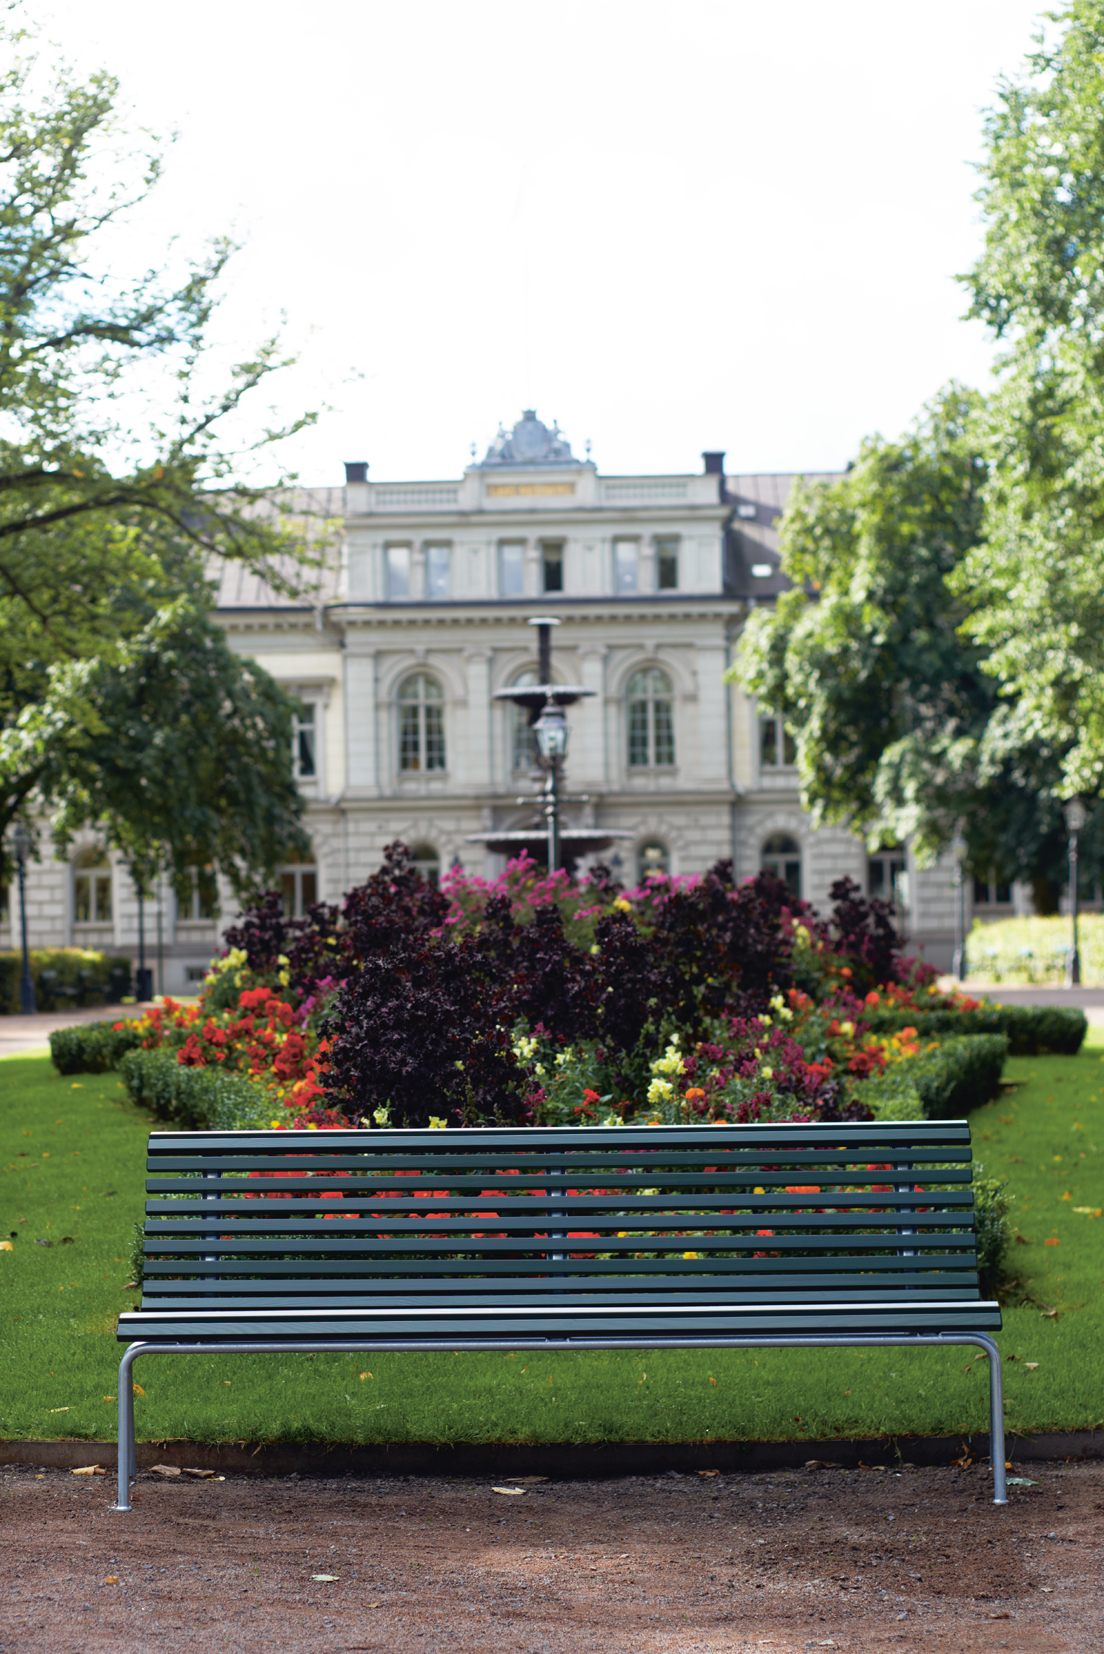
127,1449
996,1418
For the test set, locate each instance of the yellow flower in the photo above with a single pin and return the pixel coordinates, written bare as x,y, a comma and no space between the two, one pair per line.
437,1124
622,905
691,1254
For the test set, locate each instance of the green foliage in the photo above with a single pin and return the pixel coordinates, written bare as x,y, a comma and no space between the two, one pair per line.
1035,949
189,757
104,521
94,1048
1030,1028
62,977
194,1099
1036,586
863,656
992,1204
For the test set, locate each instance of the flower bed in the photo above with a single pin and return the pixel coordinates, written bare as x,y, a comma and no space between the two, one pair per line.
537,1000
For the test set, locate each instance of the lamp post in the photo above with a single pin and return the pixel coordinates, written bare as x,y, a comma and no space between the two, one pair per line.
1076,816
958,851
22,843
550,731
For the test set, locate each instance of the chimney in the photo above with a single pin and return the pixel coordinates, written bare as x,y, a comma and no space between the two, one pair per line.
356,470
714,464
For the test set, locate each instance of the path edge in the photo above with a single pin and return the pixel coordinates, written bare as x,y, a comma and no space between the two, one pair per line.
559,1461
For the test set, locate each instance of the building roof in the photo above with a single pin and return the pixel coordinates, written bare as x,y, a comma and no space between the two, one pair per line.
530,443
758,500
314,515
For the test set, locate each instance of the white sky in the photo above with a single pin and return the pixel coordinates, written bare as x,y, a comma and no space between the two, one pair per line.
711,225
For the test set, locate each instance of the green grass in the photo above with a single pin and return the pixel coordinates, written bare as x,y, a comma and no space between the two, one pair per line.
72,1163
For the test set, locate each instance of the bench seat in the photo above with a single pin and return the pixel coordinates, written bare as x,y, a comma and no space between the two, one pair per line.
790,1234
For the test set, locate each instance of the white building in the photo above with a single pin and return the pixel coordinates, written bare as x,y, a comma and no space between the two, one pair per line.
423,615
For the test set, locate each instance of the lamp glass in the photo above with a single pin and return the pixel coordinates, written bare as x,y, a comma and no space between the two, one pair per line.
550,730
1076,815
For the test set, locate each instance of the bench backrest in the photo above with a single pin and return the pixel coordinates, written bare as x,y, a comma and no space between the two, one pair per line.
789,1211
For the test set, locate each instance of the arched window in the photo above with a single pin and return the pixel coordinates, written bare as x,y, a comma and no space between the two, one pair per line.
299,884
428,863
91,887
651,719
653,858
523,746
781,855
421,725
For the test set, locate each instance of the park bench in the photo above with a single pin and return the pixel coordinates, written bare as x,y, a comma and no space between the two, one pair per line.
684,1237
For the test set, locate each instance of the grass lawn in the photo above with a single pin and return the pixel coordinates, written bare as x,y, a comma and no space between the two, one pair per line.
72,1165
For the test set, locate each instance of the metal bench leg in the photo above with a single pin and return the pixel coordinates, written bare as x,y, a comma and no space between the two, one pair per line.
996,1419
127,1450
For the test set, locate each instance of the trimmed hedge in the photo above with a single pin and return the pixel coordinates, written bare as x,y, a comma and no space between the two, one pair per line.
961,1075
63,977
1031,1029
194,1099
92,1049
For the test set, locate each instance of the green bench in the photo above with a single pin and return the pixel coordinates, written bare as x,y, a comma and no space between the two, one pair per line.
685,1237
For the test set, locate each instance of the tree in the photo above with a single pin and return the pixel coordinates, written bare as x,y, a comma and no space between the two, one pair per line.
119,488
1035,583
177,751
900,730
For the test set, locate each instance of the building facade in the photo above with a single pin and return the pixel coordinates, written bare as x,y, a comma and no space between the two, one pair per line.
422,613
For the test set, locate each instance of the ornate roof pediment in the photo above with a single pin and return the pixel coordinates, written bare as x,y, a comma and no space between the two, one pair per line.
529,443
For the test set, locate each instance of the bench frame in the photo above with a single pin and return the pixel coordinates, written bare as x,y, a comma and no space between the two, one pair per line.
548,1215
128,1453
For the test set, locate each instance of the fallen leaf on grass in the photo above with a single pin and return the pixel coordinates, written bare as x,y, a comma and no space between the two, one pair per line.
365,1375
1023,1241
89,1470
138,1390
165,1469
39,1242
1052,1241
1031,1365
1091,1211
514,1490
6,1246
57,1409
1049,1314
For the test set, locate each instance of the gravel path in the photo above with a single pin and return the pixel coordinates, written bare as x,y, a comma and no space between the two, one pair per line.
851,1560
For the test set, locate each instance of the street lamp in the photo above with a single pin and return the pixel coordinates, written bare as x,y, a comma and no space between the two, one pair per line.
22,843
550,731
1076,816
958,851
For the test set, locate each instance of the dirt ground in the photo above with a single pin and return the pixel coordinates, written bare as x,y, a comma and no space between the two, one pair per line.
915,1559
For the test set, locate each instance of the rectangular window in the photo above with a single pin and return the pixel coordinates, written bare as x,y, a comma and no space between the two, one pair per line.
511,565
552,560
776,745
626,566
437,571
92,896
664,732
667,552
304,754
200,900
638,733
410,746
398,571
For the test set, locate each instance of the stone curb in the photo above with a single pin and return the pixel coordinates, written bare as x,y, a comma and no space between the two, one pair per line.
560,1461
